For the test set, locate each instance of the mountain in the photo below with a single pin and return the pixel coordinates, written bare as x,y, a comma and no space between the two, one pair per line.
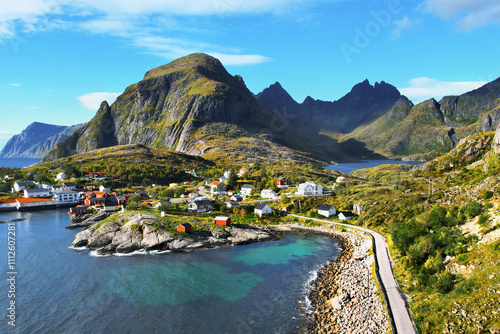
36,140
378,120
431,128
191,105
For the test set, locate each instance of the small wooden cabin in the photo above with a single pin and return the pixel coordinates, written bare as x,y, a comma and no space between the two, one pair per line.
224,221
184,227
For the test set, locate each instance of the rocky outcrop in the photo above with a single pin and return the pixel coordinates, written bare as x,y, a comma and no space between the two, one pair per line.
80,220
128,232
496,141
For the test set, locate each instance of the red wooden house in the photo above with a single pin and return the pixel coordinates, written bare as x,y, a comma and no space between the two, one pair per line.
184,227
224,221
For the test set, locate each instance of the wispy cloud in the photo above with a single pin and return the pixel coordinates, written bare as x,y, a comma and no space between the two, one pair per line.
421,89
137,21
470,14
6,134
13,84
92,101
403,24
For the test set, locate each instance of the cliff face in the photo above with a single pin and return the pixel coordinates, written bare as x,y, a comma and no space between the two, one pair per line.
36,140
175,107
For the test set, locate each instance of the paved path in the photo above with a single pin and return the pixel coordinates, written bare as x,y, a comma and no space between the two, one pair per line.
401,321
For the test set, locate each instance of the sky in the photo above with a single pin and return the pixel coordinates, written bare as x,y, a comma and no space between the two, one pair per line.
59,59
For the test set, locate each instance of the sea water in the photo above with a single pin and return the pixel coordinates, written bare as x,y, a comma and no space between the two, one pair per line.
255,288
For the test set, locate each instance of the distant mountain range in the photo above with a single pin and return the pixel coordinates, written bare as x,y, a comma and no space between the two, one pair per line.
379,119
36,140
193,105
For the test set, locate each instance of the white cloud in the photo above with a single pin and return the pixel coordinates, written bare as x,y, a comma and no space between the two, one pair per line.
403,24
421,89
174,48
92,101
143,24
469,13
13,84
239,60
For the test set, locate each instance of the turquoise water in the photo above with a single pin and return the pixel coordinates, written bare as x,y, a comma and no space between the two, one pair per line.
256,288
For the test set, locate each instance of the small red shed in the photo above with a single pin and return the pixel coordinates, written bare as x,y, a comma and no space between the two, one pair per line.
225,221
184,227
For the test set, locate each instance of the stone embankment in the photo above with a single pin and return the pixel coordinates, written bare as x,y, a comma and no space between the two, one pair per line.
345,296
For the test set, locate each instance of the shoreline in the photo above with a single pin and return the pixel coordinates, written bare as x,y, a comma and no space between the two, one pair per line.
344,296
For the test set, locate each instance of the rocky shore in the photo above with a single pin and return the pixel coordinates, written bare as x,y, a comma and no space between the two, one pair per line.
131,231
345,296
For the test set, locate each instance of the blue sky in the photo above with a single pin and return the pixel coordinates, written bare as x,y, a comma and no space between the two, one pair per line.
59,59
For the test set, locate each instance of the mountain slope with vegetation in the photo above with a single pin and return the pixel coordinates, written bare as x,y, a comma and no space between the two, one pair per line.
442,220
378,120
187,106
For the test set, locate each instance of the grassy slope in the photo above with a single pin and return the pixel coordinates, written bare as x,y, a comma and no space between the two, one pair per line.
444,297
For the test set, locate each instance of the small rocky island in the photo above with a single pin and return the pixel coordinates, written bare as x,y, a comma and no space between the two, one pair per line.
133,231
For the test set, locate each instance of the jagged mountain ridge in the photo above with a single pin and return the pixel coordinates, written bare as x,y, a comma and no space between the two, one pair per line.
36,140
383,121
191,105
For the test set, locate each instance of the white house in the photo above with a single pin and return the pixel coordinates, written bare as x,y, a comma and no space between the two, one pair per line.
104,189
21,185
244,172
236,198
345,215
69,185
217,188
199,206
227,174
310,189
222,179
232,204
262,209
327,210
268,194
61,177
247,189
66,196
35,193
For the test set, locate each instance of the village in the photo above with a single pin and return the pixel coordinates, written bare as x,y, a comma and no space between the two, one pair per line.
229,198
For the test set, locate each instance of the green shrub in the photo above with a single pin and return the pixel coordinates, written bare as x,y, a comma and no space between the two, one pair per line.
444,282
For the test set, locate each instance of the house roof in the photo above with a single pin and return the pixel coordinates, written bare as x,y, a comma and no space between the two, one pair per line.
324,207
93,199
203,202
216,183
261,206
33,191
185,225
24,183
32,200
346,214
221,218
246,186
69,184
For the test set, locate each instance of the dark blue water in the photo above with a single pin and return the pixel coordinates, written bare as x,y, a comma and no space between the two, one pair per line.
349,167
18,162
254,288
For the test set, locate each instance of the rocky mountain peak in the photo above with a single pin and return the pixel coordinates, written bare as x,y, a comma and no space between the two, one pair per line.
198,62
